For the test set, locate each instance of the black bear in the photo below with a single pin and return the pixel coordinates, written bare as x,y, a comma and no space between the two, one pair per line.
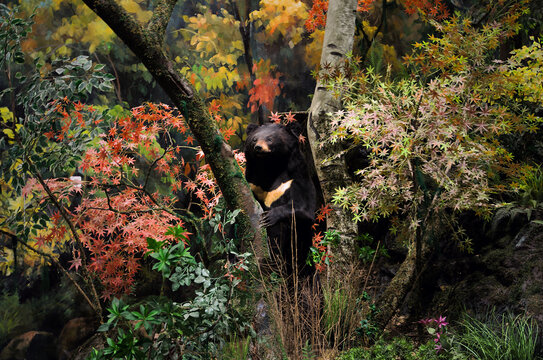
277,173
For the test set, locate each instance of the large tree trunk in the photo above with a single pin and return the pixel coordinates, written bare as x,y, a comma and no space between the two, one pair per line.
404,280
146,43
338,41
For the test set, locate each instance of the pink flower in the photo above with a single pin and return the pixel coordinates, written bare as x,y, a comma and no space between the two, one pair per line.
426,321
441,321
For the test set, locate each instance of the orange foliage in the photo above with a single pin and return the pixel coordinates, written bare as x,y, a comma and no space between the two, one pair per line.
434,9
265,87
317,15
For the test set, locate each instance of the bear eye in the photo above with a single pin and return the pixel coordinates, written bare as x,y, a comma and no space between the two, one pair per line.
269,139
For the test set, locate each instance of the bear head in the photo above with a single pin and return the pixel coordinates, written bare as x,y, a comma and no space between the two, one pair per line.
272,139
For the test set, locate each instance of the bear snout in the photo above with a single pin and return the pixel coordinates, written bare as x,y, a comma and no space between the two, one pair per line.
261,147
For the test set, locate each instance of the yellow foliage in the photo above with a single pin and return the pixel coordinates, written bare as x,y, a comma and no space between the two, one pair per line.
190,74
56,4
86,27
215,79
230,103
31,260
281,17
526,73
6,265
230,106
97,27
368,29
313,49
215,38
391,57
135,9
5,116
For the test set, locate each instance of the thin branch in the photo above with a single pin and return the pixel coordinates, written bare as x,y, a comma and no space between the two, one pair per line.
169,148
138,188
117,80
59,206
109,208
371,266
73,230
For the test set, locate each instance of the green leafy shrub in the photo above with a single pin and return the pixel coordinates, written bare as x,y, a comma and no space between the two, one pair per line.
368,329
397,348
199,328
237,348
341,313
368,250
530,187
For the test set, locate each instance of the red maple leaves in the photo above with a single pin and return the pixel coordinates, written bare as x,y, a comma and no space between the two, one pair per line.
434,9
318,240
121,210
266,87
263,92
121,205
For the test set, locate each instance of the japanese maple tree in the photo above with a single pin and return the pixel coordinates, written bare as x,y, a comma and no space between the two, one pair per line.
435,139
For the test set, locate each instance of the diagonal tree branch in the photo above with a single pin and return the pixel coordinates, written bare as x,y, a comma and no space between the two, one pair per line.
160,19
218,154
142,42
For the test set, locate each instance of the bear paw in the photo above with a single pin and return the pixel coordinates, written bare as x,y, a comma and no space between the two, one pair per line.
268,218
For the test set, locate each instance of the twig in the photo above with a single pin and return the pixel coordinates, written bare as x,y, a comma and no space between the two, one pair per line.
57,263
371,266
153,165
73,230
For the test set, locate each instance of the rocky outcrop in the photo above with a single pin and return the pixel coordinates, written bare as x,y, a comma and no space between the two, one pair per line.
505,272
32,345
74,334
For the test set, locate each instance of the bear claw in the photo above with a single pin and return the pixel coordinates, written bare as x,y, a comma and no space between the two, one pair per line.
265,219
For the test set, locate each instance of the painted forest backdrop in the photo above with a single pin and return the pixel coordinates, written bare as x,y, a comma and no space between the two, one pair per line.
124,210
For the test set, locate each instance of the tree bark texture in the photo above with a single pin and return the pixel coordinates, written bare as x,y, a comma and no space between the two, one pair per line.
403,281
338,41
146,43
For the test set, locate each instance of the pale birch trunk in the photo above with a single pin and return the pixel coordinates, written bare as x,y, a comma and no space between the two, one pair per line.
338,41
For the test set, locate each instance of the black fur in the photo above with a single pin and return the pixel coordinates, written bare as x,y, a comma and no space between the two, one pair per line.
274,158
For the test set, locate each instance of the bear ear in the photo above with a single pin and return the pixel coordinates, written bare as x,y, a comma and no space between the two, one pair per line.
295,128
251,128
